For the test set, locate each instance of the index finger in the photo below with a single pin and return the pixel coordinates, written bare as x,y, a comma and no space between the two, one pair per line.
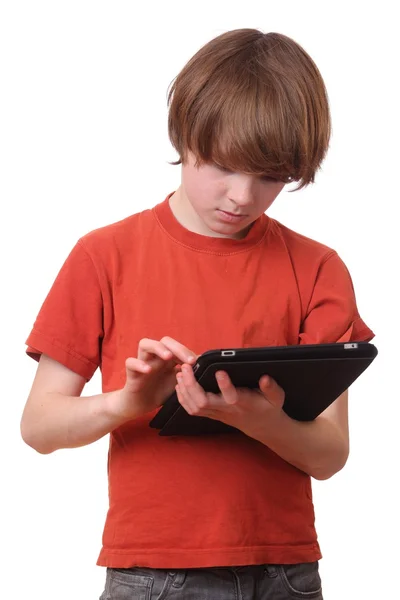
179,350
152,348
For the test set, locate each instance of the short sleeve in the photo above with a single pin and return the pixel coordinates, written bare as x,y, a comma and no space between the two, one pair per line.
332,314
69,326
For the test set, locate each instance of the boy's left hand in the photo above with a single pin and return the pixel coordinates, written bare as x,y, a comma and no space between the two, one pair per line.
242,408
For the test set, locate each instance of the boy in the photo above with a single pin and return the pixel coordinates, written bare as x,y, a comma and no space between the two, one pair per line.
224,516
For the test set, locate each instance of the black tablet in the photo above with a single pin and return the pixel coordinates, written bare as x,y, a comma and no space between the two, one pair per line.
312,376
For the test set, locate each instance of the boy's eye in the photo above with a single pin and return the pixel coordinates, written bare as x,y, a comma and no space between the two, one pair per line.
223,169
268,178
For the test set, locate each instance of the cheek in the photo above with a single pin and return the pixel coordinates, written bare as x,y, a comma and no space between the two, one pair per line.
196,190
268,193
202,189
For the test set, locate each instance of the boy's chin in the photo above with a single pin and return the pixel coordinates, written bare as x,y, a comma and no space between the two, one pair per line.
230,231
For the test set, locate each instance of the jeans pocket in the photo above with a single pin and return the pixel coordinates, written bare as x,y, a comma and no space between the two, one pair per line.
128,584
301,580
140,584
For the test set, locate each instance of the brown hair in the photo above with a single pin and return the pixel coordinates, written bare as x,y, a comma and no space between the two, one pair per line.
252,102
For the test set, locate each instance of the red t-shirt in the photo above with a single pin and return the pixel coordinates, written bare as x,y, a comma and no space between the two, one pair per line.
184,502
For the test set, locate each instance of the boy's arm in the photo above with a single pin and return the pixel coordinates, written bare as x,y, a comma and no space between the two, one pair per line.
319,447
55,416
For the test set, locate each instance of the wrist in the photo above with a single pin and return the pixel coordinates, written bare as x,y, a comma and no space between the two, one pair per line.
268,426
114,408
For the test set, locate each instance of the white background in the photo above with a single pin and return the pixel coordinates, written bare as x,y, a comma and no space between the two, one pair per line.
84,143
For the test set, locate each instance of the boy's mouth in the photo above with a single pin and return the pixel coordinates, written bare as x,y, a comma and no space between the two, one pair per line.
233,216
229,217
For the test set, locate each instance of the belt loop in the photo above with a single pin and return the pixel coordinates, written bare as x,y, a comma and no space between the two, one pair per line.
271,570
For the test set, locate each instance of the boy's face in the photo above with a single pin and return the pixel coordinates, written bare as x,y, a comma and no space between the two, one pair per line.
221,203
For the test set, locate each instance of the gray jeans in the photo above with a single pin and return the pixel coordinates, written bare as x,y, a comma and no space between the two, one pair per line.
264,582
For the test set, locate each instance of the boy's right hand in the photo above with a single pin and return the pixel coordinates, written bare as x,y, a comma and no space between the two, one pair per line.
151,377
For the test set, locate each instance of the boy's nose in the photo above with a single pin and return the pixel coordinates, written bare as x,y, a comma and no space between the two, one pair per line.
241,191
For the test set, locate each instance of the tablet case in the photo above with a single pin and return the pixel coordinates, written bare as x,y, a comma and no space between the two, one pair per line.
312,376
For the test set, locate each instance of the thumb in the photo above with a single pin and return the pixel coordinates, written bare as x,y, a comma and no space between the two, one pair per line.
272,391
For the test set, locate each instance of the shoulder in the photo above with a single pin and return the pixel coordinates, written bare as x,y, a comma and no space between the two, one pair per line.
300,247
312,262
120,237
